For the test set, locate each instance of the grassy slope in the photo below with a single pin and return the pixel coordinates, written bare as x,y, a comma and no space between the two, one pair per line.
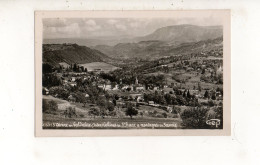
73,53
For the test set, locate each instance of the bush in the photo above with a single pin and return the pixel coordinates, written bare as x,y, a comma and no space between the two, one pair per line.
164,115
110,106
131,111
81,115
94,112
49,106
211,103
175,116
70,112
194,118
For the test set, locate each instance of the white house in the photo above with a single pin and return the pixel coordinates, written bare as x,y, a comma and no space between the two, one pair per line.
107,87
151,103
73,79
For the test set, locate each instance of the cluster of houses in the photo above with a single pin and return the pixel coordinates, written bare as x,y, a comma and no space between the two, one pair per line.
135,91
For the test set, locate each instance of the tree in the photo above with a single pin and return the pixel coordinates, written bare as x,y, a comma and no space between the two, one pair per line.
131,111
49,106
49,80
53,106
142,114
45,105
203,71
94,112
206,94
199,87
184,94
110,106
46,68
194,118
164,115
188,94
70,112
213,97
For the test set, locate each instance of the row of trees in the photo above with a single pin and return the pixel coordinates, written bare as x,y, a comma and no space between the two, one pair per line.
131,111
49,80
129,77
182,98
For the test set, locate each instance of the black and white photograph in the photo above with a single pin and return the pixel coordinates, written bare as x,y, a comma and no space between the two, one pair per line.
133,73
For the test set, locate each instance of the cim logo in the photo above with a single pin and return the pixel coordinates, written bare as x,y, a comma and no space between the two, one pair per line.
213,122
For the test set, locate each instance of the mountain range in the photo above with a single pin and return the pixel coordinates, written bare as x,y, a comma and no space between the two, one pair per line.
184,33
172,34
150,50
165,41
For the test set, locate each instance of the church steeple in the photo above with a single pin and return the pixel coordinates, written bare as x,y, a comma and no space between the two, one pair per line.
136,80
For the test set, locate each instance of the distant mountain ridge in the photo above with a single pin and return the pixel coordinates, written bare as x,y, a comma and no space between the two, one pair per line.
184,33
71,53
165,41
175,34
150,50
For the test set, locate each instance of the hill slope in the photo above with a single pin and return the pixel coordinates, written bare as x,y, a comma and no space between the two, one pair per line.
71,53
151,50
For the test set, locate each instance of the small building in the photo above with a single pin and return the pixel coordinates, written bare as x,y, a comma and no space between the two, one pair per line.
71,98
45,91
169,109
115,87
73,84
139,99
73,79
139,87
156,88
101,86
107,87
151,103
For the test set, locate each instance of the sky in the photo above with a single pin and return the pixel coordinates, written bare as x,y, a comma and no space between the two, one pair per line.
113,27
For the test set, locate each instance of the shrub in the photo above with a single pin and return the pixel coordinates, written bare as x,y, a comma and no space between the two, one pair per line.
70,112
110,106
211,103
49,106
81,115
131,111
194,118
164,115
94,112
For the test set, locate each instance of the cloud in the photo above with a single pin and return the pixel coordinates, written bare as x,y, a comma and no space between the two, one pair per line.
93,28
72,28
55,22
134,24
121,27
91,22
112,21
91,25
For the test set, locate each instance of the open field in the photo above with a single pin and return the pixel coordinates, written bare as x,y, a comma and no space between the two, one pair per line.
148,117
99,65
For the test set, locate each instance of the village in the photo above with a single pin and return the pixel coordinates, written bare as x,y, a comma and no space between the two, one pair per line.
160,89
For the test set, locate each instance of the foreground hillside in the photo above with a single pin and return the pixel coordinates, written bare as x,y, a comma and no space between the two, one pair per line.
71,53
